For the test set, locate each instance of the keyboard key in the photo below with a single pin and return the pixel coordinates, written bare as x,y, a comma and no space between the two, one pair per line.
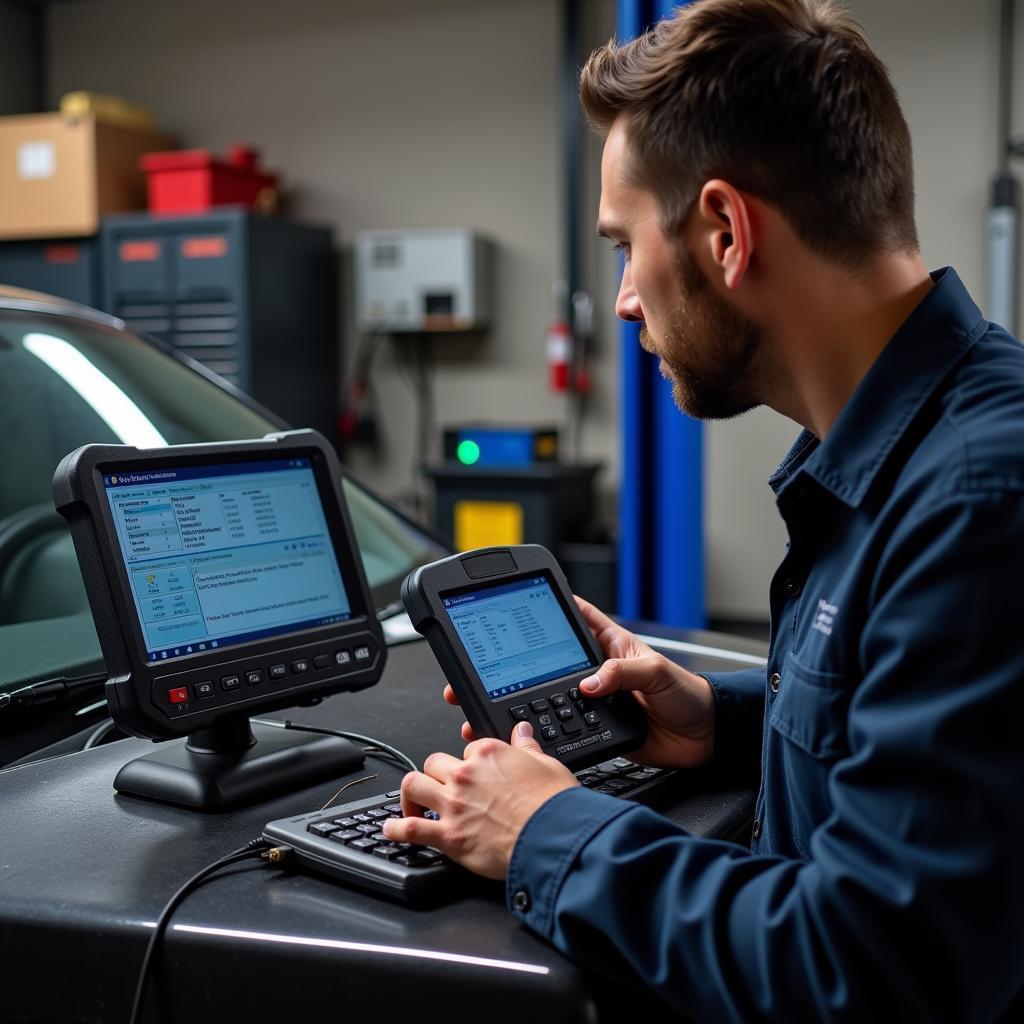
393,808
362,817
346,822
430,854
366,844
322,828
386,850
377,813
623,762
368,828
393,793
345,835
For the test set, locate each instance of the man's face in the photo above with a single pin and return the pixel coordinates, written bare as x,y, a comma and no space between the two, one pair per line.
707,348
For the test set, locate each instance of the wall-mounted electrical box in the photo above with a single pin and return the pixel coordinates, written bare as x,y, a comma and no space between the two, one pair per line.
428,280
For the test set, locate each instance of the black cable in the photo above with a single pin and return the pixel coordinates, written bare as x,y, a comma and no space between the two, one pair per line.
97,736
403,759
255,847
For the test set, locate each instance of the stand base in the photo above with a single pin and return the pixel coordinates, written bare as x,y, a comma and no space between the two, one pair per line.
212,780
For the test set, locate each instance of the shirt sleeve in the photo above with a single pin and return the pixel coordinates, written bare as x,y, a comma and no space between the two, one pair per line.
911,904
739,723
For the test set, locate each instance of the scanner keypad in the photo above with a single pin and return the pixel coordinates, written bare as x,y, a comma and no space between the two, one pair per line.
558,715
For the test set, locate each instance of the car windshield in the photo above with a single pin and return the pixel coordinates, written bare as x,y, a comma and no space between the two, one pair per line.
68,380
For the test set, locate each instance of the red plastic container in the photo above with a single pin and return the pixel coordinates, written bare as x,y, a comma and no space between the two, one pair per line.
194,180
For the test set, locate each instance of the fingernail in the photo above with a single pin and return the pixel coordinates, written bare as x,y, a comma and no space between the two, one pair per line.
525,730
386,827
590,683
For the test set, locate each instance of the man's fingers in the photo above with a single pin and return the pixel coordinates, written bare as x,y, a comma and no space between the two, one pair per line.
620,674
419,830
439,766
593,616
467,732
522,738
419,792
449,695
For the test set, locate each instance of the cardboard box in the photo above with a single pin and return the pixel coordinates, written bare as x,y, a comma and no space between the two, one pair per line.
59,175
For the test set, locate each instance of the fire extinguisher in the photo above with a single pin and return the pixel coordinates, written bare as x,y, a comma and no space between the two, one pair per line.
559,342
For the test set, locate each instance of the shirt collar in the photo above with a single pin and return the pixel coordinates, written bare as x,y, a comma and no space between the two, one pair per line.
935,336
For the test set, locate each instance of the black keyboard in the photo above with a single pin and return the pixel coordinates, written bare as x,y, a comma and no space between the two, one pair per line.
346,841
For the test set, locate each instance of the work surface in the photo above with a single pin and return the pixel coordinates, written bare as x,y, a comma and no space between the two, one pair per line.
84,873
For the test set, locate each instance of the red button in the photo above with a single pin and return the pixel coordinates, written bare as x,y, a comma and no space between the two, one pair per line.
178,695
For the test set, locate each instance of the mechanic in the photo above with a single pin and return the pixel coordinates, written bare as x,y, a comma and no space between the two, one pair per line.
757,175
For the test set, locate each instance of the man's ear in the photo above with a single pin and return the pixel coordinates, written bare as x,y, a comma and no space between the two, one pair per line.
724,216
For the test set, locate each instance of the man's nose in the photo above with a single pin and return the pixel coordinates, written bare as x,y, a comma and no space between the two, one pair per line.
627,305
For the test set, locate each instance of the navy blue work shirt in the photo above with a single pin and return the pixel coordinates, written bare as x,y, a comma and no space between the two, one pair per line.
886,873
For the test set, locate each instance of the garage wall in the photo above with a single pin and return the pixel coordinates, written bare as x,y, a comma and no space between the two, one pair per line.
405,114
17,72
425,114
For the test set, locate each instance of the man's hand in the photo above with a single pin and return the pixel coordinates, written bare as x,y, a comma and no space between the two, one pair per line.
680,706
483,801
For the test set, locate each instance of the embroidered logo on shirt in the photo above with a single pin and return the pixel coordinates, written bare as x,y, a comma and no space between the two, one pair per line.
825,617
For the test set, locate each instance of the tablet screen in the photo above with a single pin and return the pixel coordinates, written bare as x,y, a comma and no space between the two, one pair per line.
516,635
223,554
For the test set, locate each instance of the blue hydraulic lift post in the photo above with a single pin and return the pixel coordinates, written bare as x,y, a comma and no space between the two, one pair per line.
678,497
661,535
634,492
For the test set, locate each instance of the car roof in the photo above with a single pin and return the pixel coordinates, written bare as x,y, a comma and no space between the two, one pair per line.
23,298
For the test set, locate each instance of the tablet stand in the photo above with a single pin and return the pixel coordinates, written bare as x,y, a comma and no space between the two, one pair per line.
235,762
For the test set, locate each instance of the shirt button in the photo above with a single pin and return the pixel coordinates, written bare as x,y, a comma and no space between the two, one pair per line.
756,833
790,587
521,901
774,682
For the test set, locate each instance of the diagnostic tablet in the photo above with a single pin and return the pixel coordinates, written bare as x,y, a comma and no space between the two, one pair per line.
224,578
506,631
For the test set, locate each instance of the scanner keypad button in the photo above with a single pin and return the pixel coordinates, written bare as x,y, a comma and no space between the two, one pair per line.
591,718
321,661
229,683
204,689
278,671
559,700
539,705
565,714
178,695
254,676
571,728
342,657
544,719
549,732
519,713
362,653
300,665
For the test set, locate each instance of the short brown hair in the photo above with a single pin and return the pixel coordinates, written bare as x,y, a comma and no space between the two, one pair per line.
782,98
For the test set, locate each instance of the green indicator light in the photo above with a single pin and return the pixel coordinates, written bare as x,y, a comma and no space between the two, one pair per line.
468,452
